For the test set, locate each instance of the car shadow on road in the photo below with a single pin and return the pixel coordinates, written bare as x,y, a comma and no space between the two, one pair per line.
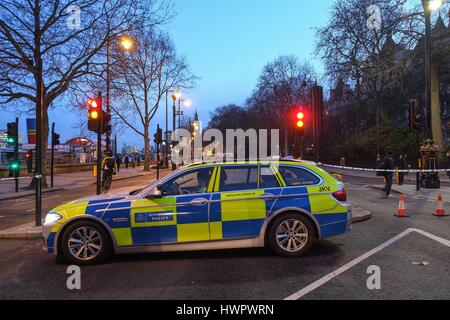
320,248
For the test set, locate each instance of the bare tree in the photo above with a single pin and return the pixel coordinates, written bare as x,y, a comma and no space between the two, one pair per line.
45,46
280,87
143,77
370,54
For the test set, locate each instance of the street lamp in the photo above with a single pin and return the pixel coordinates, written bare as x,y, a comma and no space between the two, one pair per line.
434,5
429,149
126,43
176,95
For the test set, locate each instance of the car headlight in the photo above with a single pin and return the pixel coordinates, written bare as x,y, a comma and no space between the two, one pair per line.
51,218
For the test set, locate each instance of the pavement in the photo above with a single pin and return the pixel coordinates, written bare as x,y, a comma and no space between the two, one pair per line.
412,256
16,211
410,191
64,182
409,178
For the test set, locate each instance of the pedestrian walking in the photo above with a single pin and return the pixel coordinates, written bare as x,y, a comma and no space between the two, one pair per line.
127,161
388,164
138,161
342,162
118,162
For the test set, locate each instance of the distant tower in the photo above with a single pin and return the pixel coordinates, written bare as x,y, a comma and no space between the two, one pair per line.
196,116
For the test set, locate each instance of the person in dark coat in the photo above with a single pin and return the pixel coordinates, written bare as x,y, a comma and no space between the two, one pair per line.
127,162
118,162
388,164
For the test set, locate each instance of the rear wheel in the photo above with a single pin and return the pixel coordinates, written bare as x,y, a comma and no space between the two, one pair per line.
85,243
291,235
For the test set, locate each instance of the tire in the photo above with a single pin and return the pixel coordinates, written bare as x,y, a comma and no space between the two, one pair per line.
291,245
107,184
74,243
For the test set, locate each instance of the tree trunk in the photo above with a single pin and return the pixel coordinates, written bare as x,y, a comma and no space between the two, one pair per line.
436,124
146,149
45,134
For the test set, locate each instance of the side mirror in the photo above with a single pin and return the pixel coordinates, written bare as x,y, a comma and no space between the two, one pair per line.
154,194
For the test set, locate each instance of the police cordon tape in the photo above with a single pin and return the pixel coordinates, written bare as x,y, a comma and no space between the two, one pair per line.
20,178
383,170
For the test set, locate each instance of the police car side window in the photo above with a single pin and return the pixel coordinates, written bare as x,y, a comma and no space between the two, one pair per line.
193,182
238,178
267,178
298,177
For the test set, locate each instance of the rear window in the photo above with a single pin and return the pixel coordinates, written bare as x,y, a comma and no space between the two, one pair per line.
295,177
267,178
238,178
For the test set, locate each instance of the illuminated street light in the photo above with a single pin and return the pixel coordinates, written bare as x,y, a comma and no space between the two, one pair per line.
188,103
435,4
176,95
127,43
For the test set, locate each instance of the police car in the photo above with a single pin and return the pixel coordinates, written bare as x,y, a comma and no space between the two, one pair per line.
284,205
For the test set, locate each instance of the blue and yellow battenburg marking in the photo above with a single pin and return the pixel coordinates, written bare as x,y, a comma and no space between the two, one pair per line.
226,215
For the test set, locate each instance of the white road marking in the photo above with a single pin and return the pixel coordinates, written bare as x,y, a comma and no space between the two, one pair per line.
56,196
313,286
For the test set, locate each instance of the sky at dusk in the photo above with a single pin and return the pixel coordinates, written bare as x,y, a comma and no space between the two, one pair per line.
227,43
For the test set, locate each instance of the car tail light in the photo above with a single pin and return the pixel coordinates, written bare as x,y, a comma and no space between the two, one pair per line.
340,195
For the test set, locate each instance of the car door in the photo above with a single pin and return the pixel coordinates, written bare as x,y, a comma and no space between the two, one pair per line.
180,216
238,207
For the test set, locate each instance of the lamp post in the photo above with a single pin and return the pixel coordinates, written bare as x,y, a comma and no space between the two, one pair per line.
127,44
175,96
429,149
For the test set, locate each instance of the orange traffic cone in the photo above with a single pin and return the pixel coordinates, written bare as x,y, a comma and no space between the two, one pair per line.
401,212
440,211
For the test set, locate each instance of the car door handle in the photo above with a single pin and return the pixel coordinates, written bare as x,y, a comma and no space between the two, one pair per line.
267,196
199,202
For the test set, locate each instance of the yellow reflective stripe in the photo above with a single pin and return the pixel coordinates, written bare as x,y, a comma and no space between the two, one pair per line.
279,176
123,236
192,232
321,201
212,180
215,230
217,180
243,205
259,175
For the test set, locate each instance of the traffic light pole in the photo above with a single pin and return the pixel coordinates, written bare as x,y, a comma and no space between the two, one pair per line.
99,152
16,155
52,155
419,161
108,89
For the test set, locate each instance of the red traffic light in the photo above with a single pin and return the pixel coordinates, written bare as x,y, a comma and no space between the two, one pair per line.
93,104
300,119
95,114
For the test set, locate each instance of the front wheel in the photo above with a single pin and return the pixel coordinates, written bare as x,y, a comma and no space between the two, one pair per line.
291,235
107,183
85,243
